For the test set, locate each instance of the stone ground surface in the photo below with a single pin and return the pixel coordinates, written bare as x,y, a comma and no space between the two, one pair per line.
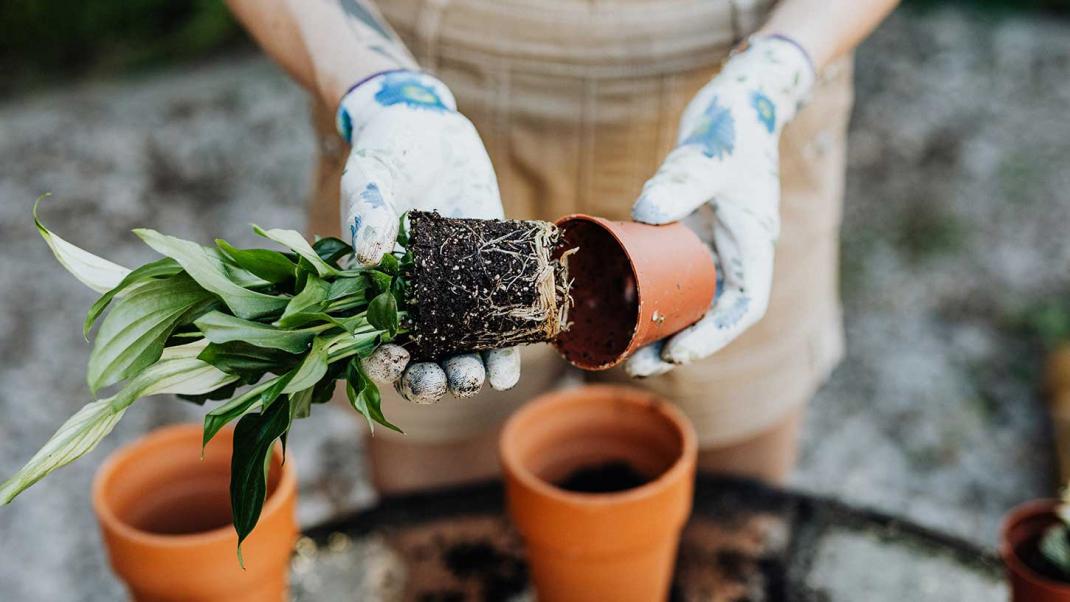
954,236
743,542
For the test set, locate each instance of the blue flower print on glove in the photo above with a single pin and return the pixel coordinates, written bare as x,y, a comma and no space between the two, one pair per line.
765,109
715,132
407,89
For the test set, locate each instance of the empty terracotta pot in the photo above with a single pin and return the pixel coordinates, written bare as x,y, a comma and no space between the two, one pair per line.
632,284
165,517
1022,528
619,545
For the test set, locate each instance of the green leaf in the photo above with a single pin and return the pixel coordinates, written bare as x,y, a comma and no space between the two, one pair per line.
364,396
219,327
133,333
324,389
246,360
254,437
206,267
381,280
1055,547
221,393
77,437
270,265
383,313
95,272
87,427
309,300
331,249
359,343
403,229
297,243
160,268
397,288
221,416
311,369
301,404
240,276
277,388
389,264
351,286
310,320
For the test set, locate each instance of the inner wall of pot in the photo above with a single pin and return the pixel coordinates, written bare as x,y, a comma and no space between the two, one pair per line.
170,491
606,302
589,435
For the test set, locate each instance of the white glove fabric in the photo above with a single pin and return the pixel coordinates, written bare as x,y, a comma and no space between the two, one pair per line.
411,149
723,179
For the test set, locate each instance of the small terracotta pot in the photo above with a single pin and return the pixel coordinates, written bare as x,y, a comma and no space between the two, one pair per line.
617,546
165,518
1023,525
632,284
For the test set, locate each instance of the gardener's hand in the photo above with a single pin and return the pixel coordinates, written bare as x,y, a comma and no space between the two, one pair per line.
413,150
724,178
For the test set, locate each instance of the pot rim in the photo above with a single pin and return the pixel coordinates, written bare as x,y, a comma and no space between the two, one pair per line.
584,394
287,483
607,226
1011,519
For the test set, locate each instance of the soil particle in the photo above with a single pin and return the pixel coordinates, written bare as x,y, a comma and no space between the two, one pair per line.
500,575
603,478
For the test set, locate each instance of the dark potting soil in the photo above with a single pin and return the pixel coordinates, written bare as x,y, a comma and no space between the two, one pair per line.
474,284
500,575
607,477
605,306
1029,552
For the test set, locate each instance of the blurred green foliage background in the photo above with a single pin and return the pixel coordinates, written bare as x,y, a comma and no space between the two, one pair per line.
41,40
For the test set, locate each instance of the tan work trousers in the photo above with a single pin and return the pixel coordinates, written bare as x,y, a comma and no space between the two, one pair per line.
578,103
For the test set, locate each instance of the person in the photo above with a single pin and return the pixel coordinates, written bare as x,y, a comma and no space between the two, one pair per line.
728,114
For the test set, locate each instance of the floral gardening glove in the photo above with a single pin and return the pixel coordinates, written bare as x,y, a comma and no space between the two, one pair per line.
411,149
723,177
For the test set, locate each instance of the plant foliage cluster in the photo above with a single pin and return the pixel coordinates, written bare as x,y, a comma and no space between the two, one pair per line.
269,331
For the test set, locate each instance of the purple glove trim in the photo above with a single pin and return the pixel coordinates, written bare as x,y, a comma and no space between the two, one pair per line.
384,72
793,42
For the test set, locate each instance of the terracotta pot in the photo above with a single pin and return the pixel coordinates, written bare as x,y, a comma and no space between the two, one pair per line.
1023,526
632,284
617,546
165,518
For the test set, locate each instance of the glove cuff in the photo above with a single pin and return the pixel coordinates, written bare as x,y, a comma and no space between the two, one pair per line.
781,68
369,96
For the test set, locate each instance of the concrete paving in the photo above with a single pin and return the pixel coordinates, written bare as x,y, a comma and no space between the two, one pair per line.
954,236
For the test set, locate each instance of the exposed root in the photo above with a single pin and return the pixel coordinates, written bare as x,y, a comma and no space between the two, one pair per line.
485,284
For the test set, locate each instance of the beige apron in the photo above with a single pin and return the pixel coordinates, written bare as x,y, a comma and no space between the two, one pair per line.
578,102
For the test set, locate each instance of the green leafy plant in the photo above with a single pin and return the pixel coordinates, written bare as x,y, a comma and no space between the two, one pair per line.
204,321
269,332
